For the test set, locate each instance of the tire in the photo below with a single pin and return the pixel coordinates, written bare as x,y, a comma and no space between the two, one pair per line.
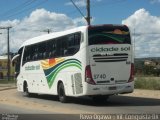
61,93
25,90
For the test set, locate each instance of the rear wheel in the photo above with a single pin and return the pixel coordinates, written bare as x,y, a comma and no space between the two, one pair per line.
61,93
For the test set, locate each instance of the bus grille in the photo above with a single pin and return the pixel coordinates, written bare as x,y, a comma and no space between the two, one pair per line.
117,57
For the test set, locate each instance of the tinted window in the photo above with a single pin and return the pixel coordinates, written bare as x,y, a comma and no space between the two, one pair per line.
41,51
51,48
109,35
68,45
73,43
57,47
18,63
29,54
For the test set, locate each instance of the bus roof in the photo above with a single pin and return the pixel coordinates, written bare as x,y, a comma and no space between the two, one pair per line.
58,34
52,35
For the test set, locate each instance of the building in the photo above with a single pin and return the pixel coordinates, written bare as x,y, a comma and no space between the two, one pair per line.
149,63
153,66
3,67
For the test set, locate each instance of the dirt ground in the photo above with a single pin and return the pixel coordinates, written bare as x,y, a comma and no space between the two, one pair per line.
10,97
145,93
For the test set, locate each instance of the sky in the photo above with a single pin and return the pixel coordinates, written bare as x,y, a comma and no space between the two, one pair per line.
31,18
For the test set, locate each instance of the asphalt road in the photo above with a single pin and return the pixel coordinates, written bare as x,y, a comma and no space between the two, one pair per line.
115,104
9,112
12,101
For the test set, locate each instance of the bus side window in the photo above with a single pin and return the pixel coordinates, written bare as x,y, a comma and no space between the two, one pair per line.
19,60
50,49
45,55
53,49
26,55
41,50
77,39
35,55
64,45
32,52
59,49
73,43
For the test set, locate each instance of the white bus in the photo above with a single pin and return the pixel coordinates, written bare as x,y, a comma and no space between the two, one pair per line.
95,61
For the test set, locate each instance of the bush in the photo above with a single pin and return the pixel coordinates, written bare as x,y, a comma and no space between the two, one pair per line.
147,83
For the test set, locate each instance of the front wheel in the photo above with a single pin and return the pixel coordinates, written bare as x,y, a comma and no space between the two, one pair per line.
25,90
61,93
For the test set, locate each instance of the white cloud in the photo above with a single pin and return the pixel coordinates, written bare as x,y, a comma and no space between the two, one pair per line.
33,25
9,23
147,33
82,21
154,1
80,3
79,21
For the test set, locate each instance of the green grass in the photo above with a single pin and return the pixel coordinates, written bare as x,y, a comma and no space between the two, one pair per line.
5,81
149,83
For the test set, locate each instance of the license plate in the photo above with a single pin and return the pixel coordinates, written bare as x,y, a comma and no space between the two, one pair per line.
113,88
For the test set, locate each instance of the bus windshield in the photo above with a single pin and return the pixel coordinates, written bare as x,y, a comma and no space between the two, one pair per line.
109,35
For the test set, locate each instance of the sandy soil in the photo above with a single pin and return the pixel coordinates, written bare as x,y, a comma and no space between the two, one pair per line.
145,93
9,97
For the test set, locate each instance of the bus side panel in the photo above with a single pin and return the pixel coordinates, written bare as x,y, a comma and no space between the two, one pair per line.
74,80
20,77
19,84
75,76
31,75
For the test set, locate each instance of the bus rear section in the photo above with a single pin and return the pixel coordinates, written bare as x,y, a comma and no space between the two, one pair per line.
110,61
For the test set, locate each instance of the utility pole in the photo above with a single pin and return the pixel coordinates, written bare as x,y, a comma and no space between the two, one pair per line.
8,51
88,18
